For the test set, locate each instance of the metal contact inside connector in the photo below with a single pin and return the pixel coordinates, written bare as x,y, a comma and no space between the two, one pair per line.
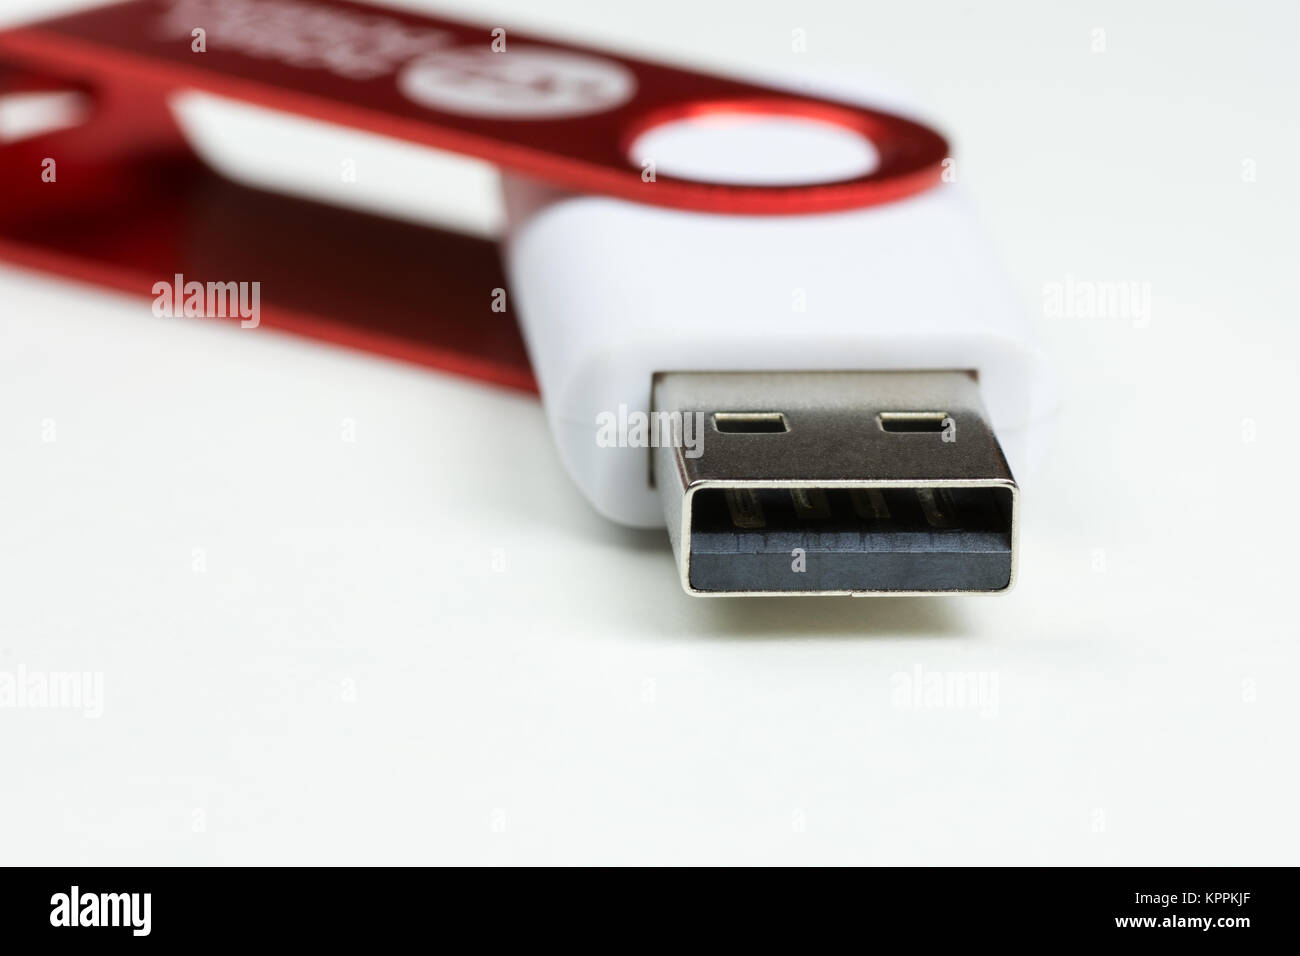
868,539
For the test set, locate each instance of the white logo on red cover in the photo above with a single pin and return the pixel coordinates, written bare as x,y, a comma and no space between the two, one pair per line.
523,83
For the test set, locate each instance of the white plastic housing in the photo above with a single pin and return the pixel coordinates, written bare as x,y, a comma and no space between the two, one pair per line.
610,292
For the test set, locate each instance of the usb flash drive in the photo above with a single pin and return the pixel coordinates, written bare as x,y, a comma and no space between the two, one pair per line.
833,373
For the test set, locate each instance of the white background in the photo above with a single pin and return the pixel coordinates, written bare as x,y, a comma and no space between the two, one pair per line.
351,680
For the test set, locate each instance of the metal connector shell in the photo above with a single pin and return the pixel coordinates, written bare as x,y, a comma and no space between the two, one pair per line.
877,483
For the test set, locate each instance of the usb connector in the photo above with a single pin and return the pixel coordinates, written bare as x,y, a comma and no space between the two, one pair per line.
835,483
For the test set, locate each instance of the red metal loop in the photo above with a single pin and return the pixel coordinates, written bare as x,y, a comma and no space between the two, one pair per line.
141,44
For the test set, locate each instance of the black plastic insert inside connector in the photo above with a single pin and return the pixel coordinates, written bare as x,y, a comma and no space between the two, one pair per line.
860,539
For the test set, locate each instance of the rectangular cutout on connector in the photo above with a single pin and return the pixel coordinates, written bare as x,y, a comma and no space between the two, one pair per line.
912,421
750,422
